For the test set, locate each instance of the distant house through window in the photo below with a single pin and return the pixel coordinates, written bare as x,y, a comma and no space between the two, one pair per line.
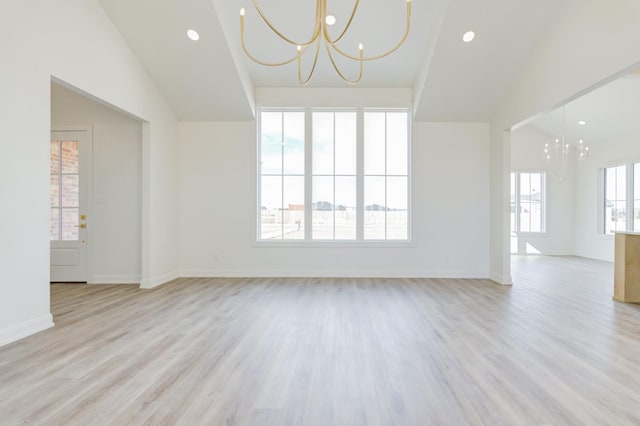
333,175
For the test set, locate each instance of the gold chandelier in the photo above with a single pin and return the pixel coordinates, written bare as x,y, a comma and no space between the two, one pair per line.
320,35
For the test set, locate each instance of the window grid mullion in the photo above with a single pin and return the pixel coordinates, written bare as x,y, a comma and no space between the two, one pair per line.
334,176
360,175
386,202
518,203
282,176
308,175
60,193
629,201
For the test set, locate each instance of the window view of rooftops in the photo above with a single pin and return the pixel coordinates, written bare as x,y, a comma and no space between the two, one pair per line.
333,181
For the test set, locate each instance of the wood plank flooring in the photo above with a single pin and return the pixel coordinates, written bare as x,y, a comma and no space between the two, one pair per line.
553,349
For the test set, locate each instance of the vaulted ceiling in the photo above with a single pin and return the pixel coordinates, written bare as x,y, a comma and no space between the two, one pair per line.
609,113
213,80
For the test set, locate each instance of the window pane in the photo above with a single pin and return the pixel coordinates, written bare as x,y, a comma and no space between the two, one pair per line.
54,191
374,208
293,156
345,147
70,159
271,143
70,222
636,197
323,143
397,143
345,208
535,205
271,207
70,191
621,183
55,157
620,221
293,213
397,205
54,224
513,202
374,143
615,199
323,202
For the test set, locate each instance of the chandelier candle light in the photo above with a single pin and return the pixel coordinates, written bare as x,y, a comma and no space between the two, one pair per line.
557,155
321,35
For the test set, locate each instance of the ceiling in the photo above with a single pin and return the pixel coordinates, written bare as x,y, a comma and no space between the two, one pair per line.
213,80
610,113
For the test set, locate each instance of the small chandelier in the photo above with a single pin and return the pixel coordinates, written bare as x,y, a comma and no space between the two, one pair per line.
557,154
320,36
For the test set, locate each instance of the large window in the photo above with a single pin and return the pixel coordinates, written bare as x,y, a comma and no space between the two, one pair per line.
615,199
282,158
621,198
527,202
343,172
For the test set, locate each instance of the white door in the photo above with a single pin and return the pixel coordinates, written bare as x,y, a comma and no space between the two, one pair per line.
68,223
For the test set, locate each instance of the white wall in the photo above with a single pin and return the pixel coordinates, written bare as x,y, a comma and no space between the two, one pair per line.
592,42
114,232
527,144
74,41
450,209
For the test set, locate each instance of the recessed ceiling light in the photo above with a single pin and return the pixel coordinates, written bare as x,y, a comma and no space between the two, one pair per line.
582,122
330,19
193,35
468,36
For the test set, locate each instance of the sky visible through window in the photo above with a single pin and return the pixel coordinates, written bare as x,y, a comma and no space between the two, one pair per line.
333,179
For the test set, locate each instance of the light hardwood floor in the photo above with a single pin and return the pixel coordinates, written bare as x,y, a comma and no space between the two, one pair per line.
553,349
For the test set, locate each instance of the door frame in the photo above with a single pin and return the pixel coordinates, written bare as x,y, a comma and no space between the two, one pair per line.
88,167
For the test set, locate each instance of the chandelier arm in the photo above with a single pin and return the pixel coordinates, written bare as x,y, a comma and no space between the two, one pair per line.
335,66
382,55
313,67
258,61
346,27
316,29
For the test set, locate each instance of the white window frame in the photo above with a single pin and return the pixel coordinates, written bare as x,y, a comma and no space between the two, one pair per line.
629,201
543,202
359,241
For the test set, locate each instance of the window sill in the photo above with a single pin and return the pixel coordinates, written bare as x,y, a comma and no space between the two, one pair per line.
334,244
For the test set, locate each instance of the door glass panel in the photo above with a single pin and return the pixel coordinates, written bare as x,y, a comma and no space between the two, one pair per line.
70,191
55,190
70,159
64,191
70,222
54,224
55,157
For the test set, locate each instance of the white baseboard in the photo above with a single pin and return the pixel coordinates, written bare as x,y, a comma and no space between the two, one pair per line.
114,279
253,273
501,279
148,283
24,329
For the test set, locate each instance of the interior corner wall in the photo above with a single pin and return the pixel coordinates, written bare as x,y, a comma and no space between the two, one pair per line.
527,144
116,174
591,242
591,42
450,210
75,42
